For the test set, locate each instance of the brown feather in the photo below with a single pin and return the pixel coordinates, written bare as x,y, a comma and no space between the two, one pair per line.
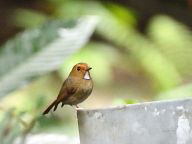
50,107
75,88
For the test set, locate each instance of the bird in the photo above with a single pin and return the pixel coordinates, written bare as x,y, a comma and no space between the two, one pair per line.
75,89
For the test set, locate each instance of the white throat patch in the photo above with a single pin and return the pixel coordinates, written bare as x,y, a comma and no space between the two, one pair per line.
87,76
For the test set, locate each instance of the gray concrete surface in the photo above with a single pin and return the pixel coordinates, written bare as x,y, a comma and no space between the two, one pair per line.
167,122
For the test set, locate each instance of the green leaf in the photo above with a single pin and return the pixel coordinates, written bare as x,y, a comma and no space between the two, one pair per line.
21,18
174,40
39,51
117,27
122,101
184,91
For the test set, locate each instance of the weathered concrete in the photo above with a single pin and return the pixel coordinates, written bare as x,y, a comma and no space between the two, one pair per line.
168,122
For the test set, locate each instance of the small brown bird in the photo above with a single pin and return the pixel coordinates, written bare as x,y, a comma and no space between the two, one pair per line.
75,89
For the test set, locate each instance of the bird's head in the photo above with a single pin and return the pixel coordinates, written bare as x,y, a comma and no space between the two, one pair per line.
81,70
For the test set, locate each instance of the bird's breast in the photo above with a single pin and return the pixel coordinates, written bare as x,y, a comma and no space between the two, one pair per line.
84,89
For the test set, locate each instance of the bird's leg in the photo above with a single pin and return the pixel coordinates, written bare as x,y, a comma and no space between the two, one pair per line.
62,104
76,106
55,107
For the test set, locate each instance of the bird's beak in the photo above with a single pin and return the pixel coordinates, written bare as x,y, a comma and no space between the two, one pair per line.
89,68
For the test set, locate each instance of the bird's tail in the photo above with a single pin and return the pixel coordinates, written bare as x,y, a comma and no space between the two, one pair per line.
54,103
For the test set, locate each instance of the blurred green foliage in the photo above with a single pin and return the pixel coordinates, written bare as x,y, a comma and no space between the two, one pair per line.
40,50
21,18
128,66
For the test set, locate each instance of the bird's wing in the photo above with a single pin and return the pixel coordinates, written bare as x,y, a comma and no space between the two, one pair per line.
67,90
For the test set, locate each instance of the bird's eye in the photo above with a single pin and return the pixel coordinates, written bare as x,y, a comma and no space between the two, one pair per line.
78,68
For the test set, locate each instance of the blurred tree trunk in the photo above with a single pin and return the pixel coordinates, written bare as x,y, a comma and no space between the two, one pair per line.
7,7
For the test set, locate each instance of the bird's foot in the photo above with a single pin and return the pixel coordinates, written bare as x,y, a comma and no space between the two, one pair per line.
78,108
